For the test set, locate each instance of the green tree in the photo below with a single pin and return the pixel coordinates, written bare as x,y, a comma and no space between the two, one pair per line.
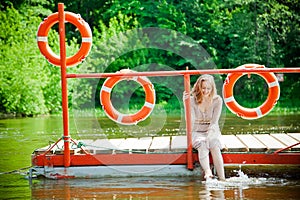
233,32
29,84
22,78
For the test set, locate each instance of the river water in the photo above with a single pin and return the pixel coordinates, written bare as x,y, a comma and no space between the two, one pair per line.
19,138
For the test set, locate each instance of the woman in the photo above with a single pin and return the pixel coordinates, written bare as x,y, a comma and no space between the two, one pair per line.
206,107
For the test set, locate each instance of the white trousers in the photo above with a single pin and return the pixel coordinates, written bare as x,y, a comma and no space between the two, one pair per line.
203,153
209,141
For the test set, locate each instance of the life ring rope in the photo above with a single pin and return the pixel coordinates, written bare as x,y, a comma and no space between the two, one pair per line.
251,113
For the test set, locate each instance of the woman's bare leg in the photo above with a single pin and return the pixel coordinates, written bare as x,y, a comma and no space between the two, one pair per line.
203,154
218,162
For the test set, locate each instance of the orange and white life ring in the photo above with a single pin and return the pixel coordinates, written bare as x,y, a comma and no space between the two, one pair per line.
251,113
84,29
129,119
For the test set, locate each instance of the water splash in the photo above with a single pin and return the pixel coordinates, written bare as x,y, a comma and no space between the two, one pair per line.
241,181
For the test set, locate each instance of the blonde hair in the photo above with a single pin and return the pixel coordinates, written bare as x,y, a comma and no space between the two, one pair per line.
196,91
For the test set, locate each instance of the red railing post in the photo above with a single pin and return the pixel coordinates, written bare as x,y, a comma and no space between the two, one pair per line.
190,164
64,88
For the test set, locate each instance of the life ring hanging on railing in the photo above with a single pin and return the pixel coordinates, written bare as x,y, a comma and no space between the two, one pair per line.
129,119
84,29
251,113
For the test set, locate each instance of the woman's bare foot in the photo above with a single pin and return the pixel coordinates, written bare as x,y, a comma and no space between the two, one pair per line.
208,174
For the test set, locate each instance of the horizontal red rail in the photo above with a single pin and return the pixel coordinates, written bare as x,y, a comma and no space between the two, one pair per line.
190,72
163,159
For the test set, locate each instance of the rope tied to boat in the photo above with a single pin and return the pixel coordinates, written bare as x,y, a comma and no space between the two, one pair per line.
81,144
16,171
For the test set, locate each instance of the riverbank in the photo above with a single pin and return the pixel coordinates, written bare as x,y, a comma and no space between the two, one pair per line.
171,108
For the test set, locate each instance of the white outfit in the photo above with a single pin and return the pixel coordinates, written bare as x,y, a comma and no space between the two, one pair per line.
206,135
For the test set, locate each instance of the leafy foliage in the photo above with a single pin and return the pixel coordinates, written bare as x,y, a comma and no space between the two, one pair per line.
29,84
233,32
22,78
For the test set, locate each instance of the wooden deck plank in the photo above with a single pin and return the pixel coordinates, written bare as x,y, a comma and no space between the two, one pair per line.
287,140
179,143
116,142
252,143
128,143
295,135
233,144
160,144
136,144
143,143
271,143
101,146
87,142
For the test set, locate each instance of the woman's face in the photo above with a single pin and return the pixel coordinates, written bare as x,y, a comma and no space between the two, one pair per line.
205,88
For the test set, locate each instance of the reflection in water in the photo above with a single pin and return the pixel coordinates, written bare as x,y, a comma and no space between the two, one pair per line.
113,188
212,194
165,188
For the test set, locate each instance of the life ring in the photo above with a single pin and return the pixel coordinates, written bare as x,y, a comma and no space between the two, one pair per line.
84,29
129,119
251,113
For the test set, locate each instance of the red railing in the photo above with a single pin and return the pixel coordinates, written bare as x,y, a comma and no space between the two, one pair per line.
188,72
185,73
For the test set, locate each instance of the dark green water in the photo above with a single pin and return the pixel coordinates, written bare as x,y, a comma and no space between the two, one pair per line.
19,137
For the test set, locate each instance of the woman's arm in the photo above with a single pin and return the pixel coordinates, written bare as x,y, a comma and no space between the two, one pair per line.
192,107
216,112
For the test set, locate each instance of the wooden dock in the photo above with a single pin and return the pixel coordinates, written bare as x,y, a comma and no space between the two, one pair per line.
171,144
159,156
